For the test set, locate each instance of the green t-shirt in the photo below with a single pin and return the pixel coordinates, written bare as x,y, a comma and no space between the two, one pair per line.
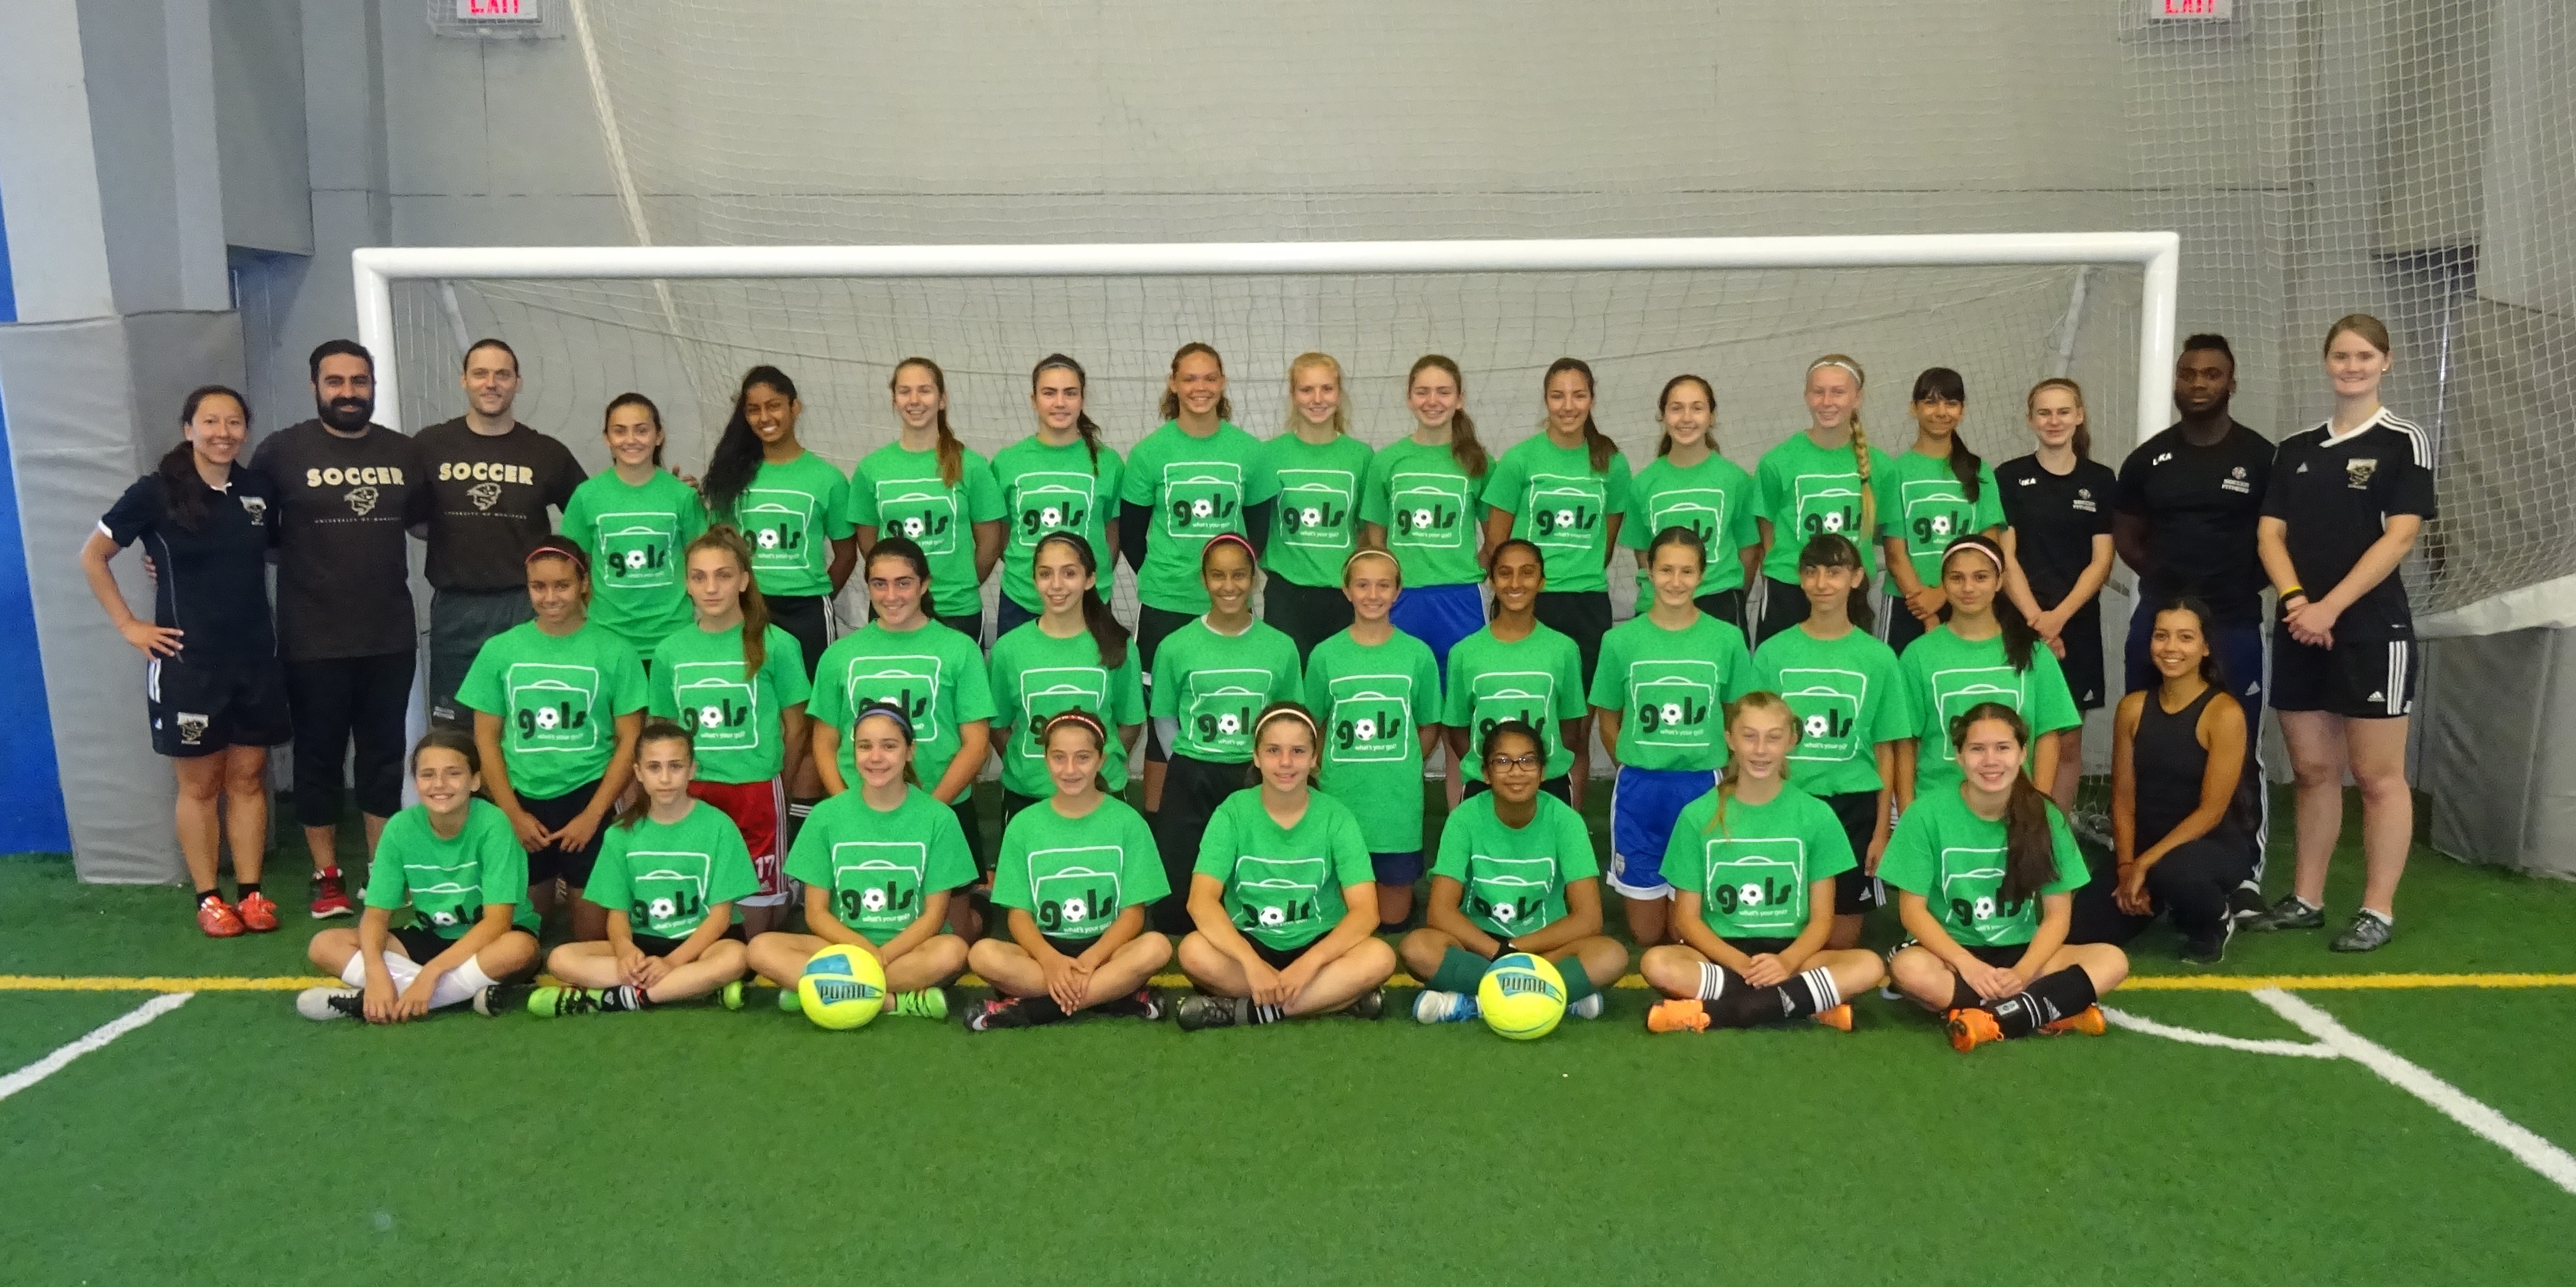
1947,674
1943,851
1431,510
1515,877
1753,875
639,576
1670,688
1932,510
698,680
932,671
900,493
665,875
1317,523
1053,489
1216,685
558,700
1804,491
791,514
878,868
1539,680
1074,875
1713,498
1034,677
1561,504
1283,889
1373,702
1849,695
1197,489
449,882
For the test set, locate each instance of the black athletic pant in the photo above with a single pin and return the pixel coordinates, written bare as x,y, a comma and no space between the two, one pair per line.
338,700
1192,790
2191,884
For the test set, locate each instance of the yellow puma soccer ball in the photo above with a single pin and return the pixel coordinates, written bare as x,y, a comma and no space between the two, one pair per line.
1521,997
842,988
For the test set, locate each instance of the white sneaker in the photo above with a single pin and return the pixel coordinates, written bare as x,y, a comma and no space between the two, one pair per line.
1444,1007
322,1005
1587,1008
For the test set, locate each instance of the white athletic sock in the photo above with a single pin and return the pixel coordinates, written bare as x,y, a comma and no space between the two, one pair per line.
355,972
1712,980
459,985
1820,985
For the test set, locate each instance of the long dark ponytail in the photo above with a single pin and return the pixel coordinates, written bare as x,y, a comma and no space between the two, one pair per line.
755,609
2030,849
736,459
1596,443
1082,422
1945,384
2019,637
656,729
1110,636
184,494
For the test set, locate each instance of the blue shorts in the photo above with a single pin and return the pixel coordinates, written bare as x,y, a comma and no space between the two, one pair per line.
1643,806
1398,869
1440,615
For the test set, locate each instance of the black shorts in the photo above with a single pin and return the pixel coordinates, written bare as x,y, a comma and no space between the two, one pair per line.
1897,627
1760,946
1784,604
1306,614
202,703
969,624
1856,891
420,943
656,945
571,865
1152,624
2002,958
807,618
1074,946
1580,615
1279,958
2082,664
2354,680
1725,605
973,826
1012,803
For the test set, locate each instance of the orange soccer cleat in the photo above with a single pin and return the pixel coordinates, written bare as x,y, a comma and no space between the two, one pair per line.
1971,1028
1677,1016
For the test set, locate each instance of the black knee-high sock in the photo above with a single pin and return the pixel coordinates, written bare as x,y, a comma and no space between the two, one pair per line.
2048,999
1963,997
1810,992
1041,1009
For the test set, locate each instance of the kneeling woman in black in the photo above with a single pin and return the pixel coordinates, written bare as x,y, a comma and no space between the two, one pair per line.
2176,753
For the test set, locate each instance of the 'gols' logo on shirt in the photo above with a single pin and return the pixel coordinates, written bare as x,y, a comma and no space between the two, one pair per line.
1051,502
920,509
1672,701
1701,509
1758,882
1828,704
1075,888
1277,897
1315,507
908,682
1954,691
1370,718
1509,894
1429,511
1565,510
1202,498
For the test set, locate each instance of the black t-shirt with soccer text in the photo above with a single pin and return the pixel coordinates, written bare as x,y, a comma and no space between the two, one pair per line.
490,497
210,580
2054,519
344,507
2201,505
2336,495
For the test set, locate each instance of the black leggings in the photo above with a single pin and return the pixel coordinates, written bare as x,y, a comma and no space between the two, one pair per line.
339,700
806,618
2192,884
1192,790
1784,604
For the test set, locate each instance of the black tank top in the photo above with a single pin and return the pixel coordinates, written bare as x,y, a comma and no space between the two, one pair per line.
2169,761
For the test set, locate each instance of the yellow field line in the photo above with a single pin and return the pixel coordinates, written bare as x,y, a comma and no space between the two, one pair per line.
2148,983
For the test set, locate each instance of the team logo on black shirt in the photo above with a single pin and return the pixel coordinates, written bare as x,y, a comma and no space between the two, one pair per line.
484,495
361,500
256,507
2357,473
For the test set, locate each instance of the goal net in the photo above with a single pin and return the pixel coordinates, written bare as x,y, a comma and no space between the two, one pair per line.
2406,159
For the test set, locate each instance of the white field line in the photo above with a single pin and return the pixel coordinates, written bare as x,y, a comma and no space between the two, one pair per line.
2551,1161
2251,1046
97,1038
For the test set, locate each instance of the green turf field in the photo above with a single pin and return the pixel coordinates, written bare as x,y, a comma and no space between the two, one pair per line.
228,1141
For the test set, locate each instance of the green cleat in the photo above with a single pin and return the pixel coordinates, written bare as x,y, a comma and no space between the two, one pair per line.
789,1002
928,1003
555,1003
730,996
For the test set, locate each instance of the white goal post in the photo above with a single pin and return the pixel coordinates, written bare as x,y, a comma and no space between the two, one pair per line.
2156,253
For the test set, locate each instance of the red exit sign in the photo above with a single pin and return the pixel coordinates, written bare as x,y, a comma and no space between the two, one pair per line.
2191,10
526,11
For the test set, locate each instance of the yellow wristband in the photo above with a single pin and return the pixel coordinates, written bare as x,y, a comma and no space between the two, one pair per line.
2294,592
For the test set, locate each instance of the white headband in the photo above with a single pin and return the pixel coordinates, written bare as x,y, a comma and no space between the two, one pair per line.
1855,371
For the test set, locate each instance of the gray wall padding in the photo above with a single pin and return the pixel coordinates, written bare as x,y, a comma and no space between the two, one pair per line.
89,404
2497,777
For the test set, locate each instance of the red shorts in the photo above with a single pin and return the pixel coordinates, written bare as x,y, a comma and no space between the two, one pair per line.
755,808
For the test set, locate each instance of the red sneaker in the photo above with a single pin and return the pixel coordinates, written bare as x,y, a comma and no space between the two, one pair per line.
258,915
329,899
217,918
